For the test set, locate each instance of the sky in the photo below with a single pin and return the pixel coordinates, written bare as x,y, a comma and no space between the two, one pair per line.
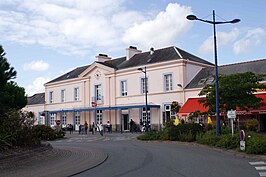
44,39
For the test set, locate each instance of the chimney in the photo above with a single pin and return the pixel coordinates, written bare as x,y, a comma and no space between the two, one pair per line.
131,51
151,50
102,57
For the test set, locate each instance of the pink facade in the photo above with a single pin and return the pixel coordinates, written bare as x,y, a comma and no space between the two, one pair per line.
118,89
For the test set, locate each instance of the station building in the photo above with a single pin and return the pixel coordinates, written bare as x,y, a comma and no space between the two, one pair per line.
114,89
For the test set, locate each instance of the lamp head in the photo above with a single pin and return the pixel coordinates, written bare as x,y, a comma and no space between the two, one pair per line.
140,69
235,21
192,17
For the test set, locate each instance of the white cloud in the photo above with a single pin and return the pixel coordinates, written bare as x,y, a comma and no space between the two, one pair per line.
79,27
163,30
36,86
71,27
252,38
39,65
223,39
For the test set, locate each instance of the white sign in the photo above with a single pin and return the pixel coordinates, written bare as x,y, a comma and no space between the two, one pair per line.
231,114
242,145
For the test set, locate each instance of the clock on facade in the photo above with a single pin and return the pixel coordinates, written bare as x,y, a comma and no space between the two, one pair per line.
97,74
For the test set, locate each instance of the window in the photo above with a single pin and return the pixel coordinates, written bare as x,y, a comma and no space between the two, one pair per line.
98,93
99,116
76,93
168,83
51,96
143,85
41,119
77,118
64,118
63,95
52,119
123,88
146,118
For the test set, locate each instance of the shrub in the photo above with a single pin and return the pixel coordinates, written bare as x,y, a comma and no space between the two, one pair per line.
186,137
5,142
255,144
252,125
44,132
26,137
227,141
164,134
181,132
208,138
152,135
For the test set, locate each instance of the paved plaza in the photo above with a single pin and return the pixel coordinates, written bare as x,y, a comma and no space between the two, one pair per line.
60,160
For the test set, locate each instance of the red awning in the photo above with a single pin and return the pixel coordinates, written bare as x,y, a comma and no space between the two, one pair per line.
193,105
262,109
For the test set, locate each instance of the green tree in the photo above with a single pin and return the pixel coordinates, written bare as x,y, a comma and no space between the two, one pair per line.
11,95
175,107
235,90
6,72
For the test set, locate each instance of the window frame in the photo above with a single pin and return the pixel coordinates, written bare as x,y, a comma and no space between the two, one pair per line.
63,95
51,96
76,93
123,88
168,82
142,86
98,92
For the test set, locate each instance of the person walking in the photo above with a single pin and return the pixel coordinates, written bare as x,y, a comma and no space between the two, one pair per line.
86,127
92,128
70,128
108,126
100,127
131,124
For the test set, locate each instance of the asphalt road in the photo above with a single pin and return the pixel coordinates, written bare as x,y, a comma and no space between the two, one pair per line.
128,157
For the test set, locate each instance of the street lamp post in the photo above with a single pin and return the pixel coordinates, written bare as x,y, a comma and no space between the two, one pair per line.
146,97
214,23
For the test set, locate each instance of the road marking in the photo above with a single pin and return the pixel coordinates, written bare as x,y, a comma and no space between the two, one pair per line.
261,168
262,173
257,163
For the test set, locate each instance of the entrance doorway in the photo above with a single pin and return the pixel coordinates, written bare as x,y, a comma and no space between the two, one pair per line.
166,113
125,120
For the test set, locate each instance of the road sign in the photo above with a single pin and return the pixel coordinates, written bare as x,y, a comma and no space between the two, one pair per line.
57,122
93,104
231,114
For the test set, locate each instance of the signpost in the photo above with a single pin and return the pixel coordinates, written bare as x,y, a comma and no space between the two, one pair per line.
242,140
58,122
231,115
93,104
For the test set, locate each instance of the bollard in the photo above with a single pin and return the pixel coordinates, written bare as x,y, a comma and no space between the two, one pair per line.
242,140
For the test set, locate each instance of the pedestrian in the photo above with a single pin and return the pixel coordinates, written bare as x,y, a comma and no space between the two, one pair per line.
108,126
80,127
100,127
141,126
131,124
86,127
92,128
70,128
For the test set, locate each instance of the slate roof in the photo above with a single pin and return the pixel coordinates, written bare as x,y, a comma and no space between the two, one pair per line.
38,98
144,58
70,75
160,55
206,75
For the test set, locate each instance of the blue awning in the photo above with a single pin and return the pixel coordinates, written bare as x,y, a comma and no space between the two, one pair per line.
104,108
